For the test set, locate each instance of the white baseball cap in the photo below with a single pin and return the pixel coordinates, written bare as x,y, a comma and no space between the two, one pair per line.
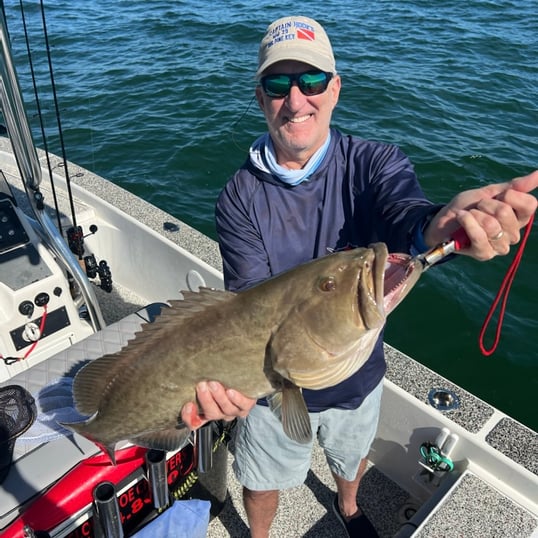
296,38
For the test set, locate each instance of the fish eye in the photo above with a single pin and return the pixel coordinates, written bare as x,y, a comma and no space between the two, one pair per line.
327,284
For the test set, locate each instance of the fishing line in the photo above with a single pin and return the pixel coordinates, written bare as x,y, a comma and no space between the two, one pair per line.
39,110
58,119
503,294
237,122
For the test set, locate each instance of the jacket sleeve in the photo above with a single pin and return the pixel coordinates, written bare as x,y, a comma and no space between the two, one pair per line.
244,258
398,202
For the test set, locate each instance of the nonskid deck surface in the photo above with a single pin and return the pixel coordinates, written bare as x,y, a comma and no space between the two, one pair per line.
471,508
307,510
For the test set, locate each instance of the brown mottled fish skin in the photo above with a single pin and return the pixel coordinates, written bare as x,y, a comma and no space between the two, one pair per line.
310,327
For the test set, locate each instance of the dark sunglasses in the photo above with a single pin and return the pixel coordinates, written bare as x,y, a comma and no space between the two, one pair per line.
310,83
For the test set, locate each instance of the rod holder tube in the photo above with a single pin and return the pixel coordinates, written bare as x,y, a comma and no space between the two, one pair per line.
204,446
157,478
107,509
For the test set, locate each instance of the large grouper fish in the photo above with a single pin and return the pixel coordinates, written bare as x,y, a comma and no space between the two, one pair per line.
310,327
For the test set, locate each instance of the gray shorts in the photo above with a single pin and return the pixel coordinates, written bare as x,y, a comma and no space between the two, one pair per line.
266,459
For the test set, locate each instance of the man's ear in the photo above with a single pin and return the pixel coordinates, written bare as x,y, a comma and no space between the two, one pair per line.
259,97
336,85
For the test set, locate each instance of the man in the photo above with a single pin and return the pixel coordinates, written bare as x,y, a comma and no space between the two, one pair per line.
304,190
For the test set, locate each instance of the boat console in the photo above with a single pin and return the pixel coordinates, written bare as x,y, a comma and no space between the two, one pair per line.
38,315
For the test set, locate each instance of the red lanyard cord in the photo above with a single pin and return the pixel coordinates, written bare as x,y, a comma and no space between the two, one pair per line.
503,294
41,328
12,360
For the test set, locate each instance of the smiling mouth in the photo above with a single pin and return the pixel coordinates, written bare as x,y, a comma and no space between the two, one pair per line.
300,119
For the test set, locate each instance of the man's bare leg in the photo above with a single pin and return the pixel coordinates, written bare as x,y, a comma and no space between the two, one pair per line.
347,492
261,507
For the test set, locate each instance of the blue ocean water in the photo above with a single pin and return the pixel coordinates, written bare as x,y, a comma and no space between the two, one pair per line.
157,97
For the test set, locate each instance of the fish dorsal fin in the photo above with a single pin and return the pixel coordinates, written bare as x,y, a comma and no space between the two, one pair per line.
197,301
168,440
93,381
192,303
289,406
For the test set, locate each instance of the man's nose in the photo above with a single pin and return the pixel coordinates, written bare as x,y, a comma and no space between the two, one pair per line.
295,98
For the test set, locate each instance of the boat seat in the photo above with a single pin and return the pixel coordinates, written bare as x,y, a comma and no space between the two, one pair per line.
67,362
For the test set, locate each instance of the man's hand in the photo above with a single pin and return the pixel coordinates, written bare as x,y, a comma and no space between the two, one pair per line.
215,403
492,217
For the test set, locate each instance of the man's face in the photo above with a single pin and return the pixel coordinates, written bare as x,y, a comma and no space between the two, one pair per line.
298,124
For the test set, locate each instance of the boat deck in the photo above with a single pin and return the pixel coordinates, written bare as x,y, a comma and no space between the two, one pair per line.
471,507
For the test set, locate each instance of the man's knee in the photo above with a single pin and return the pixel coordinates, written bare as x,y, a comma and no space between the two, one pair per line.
262,496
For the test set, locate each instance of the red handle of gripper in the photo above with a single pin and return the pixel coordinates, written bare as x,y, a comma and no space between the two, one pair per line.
461,239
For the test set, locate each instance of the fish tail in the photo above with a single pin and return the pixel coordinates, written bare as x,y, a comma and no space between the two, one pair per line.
109,450
82,429
77,427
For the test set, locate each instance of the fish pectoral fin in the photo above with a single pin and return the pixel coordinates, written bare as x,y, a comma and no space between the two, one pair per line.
294,414
275,404
172,439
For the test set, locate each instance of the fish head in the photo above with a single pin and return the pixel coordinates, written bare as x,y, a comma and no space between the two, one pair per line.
332,329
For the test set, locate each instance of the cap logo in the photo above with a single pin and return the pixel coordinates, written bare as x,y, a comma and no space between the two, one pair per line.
305,33
291,30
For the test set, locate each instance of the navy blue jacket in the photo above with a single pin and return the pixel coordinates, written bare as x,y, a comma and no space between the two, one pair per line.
362,192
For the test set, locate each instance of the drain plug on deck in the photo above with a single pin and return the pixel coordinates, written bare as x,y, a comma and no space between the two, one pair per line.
407,511
443,399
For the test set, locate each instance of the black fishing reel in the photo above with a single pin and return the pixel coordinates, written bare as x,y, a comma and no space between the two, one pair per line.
105,276
101,269
75,240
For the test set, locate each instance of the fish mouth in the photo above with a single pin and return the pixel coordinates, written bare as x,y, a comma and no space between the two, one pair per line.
382,282
402,272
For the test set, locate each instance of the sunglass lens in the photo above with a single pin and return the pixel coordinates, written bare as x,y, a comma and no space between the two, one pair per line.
276,85
313,83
